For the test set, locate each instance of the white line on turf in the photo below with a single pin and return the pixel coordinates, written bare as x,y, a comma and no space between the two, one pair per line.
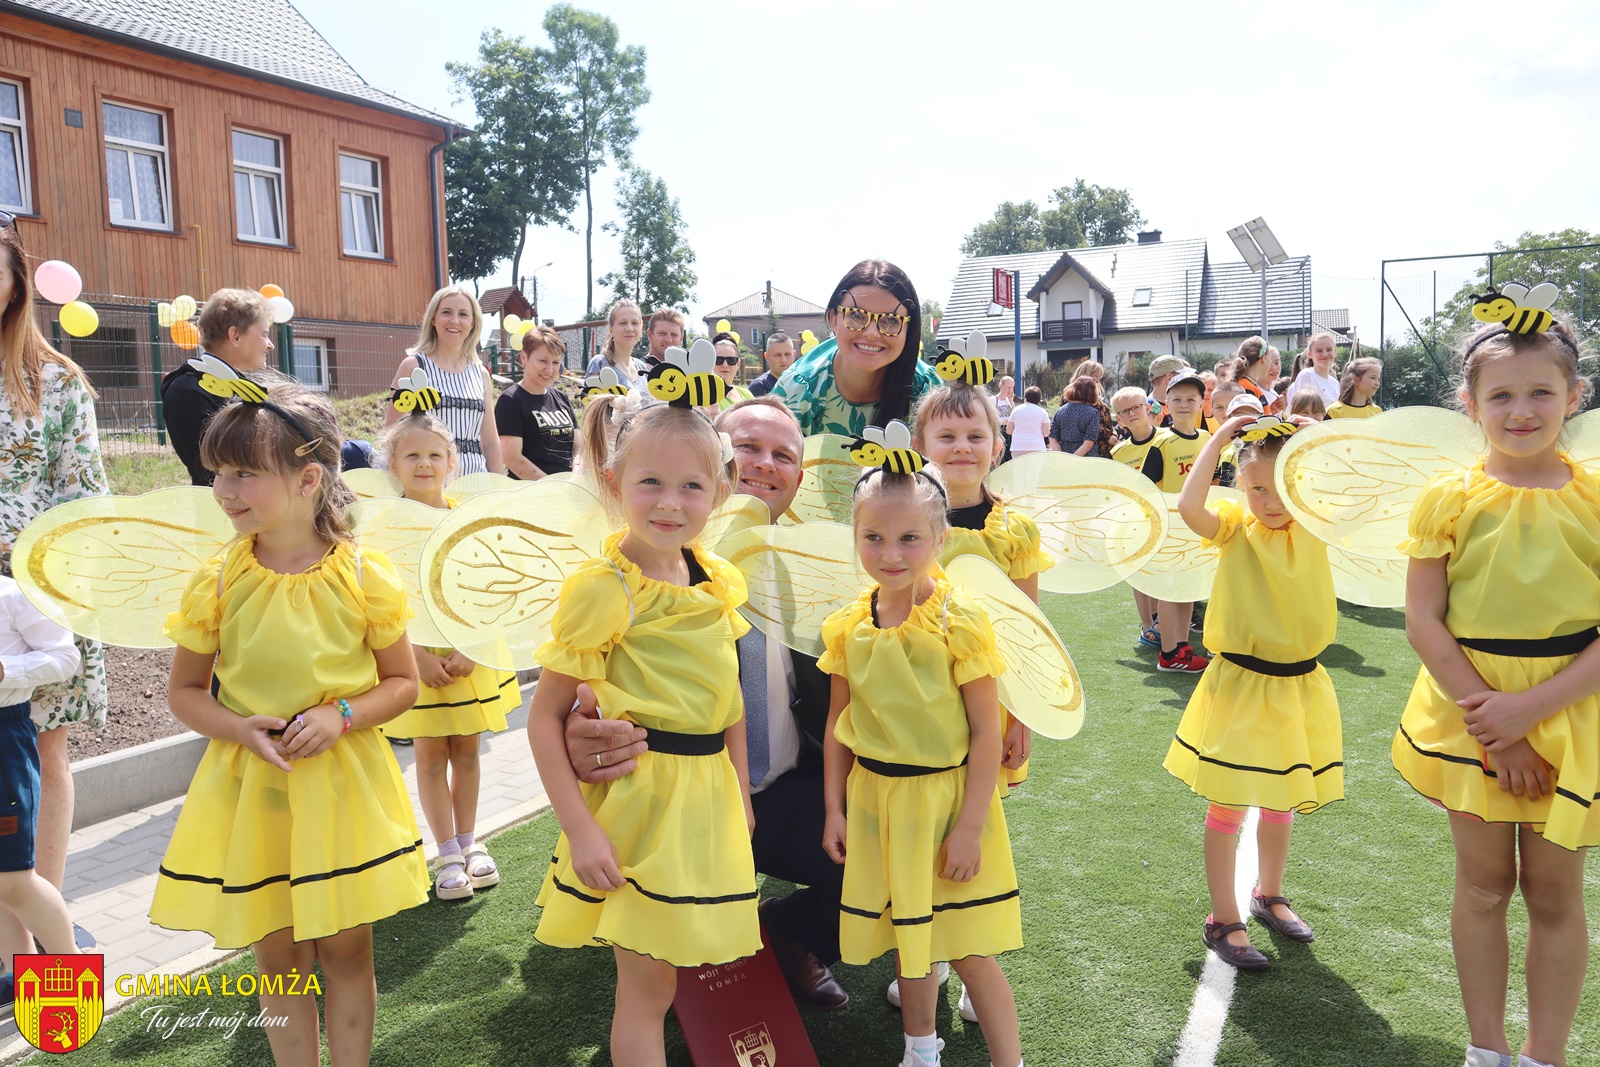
1202,1034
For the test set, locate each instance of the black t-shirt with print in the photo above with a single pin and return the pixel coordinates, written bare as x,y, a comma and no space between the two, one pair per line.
544,422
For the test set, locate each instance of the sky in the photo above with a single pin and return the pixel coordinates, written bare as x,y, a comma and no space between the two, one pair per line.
801,138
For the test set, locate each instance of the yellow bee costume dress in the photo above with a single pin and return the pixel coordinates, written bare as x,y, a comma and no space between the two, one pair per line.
1524,567
662,656
1262,728
333,844
906,723
1010,540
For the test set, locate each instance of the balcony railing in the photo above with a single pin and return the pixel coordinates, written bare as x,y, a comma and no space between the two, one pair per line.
1055,331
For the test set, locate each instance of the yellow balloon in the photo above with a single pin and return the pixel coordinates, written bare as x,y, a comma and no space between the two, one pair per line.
805,349
185,306
79,319
724,326
511,323
807,335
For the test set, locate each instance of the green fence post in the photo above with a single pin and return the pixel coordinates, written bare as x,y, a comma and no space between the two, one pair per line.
286,348
155,373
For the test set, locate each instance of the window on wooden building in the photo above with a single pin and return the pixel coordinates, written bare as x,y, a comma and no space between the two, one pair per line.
136,167
13,150
361,204
311,362
258,187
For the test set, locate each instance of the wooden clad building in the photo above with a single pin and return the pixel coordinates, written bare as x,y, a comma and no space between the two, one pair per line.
180,148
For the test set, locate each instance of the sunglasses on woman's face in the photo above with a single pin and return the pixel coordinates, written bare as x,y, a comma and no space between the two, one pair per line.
726,361
6,219
857,320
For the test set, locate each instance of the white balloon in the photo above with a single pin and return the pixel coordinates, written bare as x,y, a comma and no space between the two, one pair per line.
281,309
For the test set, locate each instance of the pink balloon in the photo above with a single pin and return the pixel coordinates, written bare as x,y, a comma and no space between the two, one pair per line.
57,282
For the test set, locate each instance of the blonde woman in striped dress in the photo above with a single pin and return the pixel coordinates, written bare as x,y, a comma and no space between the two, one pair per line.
447,350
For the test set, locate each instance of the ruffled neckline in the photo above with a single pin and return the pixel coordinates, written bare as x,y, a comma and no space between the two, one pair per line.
1582,483
631,572
340,559
924,616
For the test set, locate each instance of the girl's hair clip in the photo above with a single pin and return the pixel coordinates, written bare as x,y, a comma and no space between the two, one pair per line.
966,360
688,379
1266,426
726,447
415,394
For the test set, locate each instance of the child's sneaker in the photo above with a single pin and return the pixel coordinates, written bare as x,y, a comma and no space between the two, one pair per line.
1183,660
911,1059
1482,1057
1150,637
964,1007
894,986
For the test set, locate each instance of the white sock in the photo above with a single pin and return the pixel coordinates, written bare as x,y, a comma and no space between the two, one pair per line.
926,1049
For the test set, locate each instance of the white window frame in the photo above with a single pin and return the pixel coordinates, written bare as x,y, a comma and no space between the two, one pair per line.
1149,296
158,152
373,193
258,170
321,345
19,129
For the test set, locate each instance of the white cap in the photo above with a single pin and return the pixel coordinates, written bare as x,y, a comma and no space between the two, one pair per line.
1244,402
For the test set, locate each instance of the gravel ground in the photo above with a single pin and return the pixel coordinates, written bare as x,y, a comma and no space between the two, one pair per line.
137,678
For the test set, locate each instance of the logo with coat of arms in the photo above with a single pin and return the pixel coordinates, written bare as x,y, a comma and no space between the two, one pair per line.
753,1046
60,1000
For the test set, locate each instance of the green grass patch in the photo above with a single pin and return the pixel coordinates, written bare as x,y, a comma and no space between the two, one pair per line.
1108,853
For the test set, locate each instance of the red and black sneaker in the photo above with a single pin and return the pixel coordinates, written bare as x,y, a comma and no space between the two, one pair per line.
1183,660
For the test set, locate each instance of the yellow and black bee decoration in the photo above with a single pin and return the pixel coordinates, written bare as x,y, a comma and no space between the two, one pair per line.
966,360
1264,427
688,379
1517,308
888,448
219,379
415,393
606,383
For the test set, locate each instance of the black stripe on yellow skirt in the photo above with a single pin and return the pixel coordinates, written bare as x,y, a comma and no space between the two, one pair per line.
302,880
953,905
730,898
1468,761
495,698
1257,770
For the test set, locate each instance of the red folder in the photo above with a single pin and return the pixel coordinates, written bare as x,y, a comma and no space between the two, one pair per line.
741,1014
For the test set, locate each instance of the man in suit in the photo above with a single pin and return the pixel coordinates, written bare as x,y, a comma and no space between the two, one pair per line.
786,713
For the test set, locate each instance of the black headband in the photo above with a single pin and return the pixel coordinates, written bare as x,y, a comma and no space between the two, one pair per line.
870,471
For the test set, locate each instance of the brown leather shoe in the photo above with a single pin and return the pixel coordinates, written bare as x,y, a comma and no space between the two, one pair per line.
1293,929
809,981
1248,958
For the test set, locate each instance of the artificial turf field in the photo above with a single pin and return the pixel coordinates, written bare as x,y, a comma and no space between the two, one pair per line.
1107,848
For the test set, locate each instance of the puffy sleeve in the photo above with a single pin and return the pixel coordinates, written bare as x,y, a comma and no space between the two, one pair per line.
971,641
1027,557
384,599
593,613
1231,514
199,616
835,632
1431,530
728,583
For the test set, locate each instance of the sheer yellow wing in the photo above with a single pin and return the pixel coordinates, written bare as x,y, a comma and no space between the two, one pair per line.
1352,481
114,567
737,513
492,570
1583,440
368,483
827,481
400,528
470,485
1100,521
1183,567
796,577
1040,686
1376,583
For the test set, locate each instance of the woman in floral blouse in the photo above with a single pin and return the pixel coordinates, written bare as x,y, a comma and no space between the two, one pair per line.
49,454
867,373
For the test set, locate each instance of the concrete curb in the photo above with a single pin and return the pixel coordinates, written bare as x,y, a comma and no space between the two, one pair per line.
133,778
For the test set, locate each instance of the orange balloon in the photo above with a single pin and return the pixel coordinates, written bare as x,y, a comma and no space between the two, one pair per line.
185,334
269,291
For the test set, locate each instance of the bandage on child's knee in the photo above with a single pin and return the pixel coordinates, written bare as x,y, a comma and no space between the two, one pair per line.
1223,819
1481,899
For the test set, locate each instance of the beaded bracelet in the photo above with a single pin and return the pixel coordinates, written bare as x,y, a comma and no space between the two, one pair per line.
347,711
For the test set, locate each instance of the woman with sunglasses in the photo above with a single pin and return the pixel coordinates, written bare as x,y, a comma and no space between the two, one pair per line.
869,371
728,360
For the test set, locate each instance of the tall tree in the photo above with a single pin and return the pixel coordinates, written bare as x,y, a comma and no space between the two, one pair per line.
603,86
932,312
1086,215
518,169
657,263
1014,228
1575,272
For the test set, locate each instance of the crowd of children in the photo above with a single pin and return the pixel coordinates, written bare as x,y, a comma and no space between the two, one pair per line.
298,834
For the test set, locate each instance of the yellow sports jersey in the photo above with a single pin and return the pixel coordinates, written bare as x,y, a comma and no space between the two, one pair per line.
1178,453
1340,410
1133,452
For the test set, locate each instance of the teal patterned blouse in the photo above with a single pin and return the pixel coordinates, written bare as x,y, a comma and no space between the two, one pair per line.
808,389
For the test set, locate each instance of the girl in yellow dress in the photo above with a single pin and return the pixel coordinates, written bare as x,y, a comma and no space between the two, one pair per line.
458,699
912,768
1503,725
656,865
1363,377
1262,728
297,833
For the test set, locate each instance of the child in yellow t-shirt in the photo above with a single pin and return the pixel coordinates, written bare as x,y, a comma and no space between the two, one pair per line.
1362,378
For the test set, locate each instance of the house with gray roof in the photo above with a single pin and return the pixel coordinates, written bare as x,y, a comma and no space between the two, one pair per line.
1117,302
748,316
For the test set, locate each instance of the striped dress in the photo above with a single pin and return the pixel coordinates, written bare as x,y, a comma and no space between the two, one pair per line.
462,409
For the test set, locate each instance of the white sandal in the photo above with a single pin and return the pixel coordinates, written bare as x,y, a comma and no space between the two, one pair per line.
441,867
480,881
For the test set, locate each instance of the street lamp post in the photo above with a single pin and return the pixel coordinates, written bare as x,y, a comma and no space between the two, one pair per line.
1260,249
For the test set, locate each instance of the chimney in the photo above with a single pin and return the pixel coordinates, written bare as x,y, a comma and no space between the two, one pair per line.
1150,237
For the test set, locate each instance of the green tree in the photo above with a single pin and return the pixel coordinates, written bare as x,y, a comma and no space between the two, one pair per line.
518,168
1014,228
603,87
1086,215
1575,272
657,263
932,312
